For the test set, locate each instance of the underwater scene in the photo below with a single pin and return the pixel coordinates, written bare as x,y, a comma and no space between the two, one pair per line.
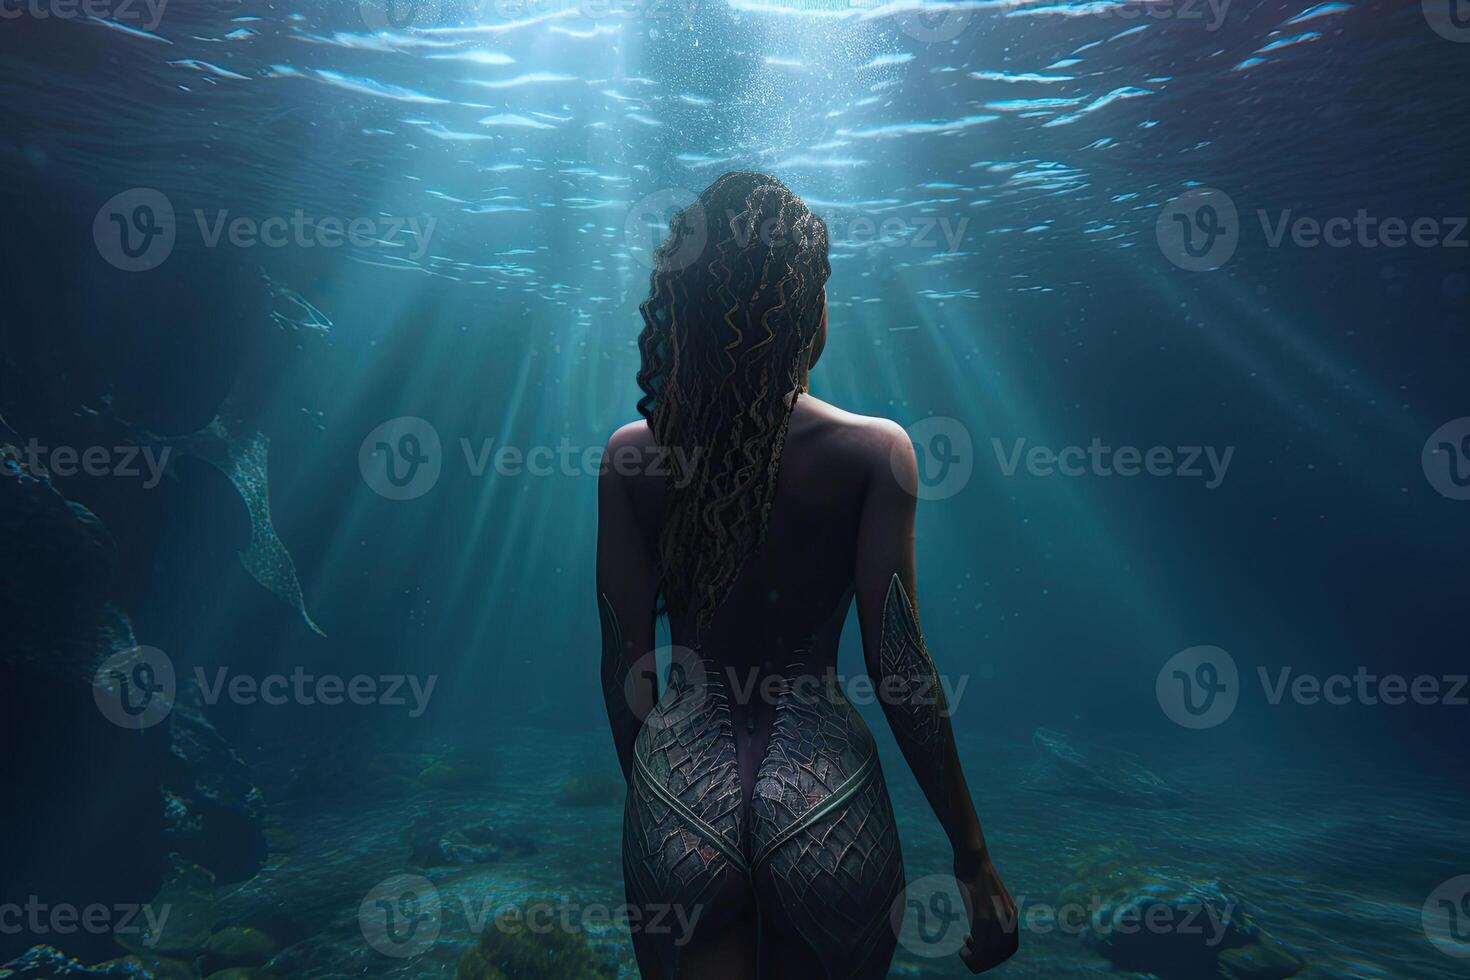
319,316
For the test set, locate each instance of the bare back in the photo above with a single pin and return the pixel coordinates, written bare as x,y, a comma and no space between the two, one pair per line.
794,594
797,588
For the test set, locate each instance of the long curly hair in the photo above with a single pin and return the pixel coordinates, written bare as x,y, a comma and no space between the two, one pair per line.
734,304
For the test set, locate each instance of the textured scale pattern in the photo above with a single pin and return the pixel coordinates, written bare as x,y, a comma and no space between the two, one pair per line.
913,698
817,844
686,751
828,874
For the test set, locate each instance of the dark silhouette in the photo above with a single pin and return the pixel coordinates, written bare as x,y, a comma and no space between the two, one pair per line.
756,808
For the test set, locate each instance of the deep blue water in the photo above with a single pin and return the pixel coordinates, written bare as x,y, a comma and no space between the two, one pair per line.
1006,183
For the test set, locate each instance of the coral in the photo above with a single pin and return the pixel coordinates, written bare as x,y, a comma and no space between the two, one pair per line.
159,967
50,963
517,951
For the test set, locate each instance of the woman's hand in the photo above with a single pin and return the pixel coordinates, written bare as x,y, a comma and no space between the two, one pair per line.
994,934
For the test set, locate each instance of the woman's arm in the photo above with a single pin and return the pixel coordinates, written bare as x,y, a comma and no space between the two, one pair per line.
626,593
908,686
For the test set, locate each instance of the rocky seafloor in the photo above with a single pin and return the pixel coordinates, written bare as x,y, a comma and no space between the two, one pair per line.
1318,873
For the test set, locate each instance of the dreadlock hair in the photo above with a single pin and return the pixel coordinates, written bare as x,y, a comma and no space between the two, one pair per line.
734,304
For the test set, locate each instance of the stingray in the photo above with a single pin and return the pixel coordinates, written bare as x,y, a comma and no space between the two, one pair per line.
241,454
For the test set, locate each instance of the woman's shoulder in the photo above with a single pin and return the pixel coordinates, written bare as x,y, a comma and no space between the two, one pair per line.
849,431
631,453
635,434
852,450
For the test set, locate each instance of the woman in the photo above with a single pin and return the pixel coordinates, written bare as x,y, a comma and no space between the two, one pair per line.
758,836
